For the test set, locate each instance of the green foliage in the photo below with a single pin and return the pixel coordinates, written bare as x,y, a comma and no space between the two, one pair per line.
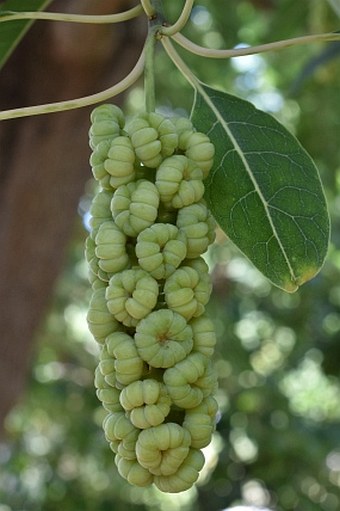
264,190
13,31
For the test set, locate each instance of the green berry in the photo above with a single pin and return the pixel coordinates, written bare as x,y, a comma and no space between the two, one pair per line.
203,335
100,210
187,291
131,295
127,364
199,226
97,160
160,249
200,150
100,321
185,476
163,338
135,206
147,403
120,162
183,380
111,248
179,181
107,121
162,449
133,472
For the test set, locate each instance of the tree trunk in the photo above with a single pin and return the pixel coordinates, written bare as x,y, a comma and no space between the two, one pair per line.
44,166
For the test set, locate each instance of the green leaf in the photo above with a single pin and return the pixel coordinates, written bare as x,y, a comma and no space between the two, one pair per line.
11,32
264,189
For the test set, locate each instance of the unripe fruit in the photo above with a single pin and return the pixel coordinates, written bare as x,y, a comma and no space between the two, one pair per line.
179,181
100,321
163,338
203,335
147,402
120,162
111,248
162,449
118,427
199,226
93,261
108,395
131,295
185,476
128,365
97,160
145,141
200,150
187,291
149,228
133,472
100,211
200,423
166,130
135,206
160,249
153,138
184,129
181,380
107,121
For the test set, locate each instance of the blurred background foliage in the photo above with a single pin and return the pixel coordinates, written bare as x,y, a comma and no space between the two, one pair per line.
277,442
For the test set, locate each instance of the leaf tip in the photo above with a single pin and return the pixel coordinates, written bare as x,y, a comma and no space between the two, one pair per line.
305,274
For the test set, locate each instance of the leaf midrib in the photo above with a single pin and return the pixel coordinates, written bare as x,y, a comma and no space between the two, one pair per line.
250,174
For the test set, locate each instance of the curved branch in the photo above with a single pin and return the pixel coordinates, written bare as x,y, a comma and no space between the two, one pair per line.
72,104
179,63
181,22
240,52
148,8
74,18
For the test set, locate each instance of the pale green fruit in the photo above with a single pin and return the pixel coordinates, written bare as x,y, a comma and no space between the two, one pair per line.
97,160
203,335
100,210
183,380
133,472
100,321
199,227
111,248
135,206
145,141
163,338
200,423
166,130
147,402
162,449
106,122
184,129
108,395
179,181
186,475
120,162
131,295
128,365
199,149
160,249
187,291
93,262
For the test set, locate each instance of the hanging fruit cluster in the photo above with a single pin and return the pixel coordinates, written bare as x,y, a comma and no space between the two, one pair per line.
149,229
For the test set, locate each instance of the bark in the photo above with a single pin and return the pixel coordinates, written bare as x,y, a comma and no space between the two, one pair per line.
44,166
